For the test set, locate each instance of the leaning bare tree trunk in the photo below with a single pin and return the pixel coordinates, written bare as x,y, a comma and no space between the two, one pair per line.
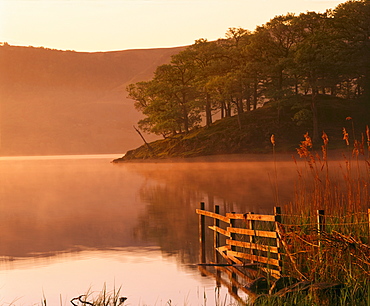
142,137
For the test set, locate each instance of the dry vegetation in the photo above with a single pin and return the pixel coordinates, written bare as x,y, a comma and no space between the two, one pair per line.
337,251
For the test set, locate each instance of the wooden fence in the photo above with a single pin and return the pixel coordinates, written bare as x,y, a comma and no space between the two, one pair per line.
250,239
248,246
259,240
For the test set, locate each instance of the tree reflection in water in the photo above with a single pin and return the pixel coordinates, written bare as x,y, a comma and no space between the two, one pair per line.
176,189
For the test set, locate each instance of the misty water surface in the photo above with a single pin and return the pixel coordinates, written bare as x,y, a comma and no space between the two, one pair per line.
71,223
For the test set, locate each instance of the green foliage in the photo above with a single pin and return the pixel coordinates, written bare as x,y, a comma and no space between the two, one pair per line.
302,117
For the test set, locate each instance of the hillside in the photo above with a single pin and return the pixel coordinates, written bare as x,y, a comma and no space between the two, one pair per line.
66,102
225,136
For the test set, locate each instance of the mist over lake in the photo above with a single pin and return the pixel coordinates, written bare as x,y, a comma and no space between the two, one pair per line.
71,223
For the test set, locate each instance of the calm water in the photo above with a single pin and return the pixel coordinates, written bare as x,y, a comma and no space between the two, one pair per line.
70,224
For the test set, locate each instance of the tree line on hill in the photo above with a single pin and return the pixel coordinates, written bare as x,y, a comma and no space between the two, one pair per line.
307,54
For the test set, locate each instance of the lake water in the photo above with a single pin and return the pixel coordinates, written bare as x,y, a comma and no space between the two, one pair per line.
72,224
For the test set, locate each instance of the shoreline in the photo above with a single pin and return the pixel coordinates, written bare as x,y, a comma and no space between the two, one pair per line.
246,157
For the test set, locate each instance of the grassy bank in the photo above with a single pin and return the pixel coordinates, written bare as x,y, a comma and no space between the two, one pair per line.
339,251
250,132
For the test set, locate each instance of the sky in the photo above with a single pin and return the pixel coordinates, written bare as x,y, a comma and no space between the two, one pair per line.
107,25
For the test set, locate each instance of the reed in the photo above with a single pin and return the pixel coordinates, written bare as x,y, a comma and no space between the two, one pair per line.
101,298
339,252
114,298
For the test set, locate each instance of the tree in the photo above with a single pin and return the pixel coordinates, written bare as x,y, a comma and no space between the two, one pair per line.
168,101
271,50
161,115
206,57
313,59
352,27
177,79
242,76
305,54
220,90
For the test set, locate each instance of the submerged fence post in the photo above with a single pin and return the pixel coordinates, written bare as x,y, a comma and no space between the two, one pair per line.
216,245
233,235
202,235
216,235
233,276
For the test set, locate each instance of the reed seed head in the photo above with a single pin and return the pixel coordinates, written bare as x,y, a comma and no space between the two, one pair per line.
272,139
325,138
303,150
345,135
308,140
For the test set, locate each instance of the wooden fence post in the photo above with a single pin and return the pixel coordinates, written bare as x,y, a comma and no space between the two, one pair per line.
277,213
250,225
202,235
320,221
320,228
233,235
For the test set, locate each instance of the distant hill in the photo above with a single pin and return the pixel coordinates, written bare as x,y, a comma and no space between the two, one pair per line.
66,102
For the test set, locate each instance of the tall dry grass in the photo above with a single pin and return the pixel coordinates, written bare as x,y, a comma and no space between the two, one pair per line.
336,191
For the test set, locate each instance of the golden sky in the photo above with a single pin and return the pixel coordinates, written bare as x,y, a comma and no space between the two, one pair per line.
104,25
